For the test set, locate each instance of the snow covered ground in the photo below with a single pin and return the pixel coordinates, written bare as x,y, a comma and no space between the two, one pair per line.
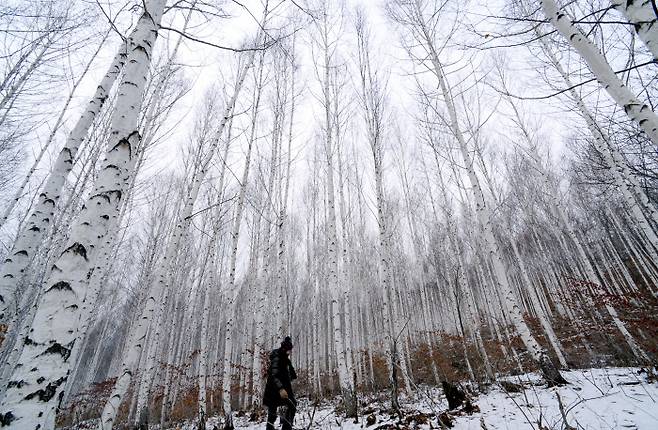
595,399
612,398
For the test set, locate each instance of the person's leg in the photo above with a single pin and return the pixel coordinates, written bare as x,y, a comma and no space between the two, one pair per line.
290,414
271,417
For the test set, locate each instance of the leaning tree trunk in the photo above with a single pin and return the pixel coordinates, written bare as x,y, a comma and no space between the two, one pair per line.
159,288
638,111
235,234
34,231
633,194
42,370
12,92
51,137
537,352
527,284
643,14
630,189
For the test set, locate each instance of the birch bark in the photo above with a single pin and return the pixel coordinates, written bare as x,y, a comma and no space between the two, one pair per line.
159,288
633,194
638,111
325,68
624,179
35,229
644,17
51,137
539,354
235,234
371,97
32,395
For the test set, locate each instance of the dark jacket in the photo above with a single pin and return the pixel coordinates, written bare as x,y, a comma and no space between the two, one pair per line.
280,374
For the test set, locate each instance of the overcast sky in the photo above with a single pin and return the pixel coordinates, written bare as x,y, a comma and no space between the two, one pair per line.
206,66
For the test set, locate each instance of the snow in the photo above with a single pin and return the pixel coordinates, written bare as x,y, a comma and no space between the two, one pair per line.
609,398
594,399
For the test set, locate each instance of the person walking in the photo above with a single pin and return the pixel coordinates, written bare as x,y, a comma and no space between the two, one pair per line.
278,389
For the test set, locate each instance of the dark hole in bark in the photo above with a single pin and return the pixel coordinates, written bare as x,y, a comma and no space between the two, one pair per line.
61,286
7,418
57,348
47,393
79,249
17,384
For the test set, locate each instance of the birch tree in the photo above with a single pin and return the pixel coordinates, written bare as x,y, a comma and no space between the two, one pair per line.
325,41
32,395
36,228
638,111
642,14
413,16
159,288
372,90
235,234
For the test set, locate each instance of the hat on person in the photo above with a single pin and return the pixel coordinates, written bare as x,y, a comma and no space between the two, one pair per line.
286,345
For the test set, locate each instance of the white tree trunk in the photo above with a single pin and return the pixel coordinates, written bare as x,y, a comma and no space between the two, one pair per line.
51,137
622,175
638,111
485,218
159,288
33,395
644,17
235,234
627,183
33,233
334,283
11,94
203,354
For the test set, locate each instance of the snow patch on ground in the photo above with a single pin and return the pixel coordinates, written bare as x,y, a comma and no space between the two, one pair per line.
595,399
612,398
609,398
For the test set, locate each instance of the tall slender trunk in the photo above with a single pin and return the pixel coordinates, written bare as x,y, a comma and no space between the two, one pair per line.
10,96
159,288
624,179
644,17
33,394
235,234
334,271
51,137
637,110
491,246
34,231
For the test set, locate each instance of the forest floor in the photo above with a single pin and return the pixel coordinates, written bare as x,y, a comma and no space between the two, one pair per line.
609,398
594,399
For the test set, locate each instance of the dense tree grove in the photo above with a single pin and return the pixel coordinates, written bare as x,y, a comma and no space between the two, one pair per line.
415,191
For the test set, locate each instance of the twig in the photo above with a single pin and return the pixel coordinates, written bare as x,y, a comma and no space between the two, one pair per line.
557,93
214,45
567,426
643,386
519,407
402,329
592,381
311,416
209,207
